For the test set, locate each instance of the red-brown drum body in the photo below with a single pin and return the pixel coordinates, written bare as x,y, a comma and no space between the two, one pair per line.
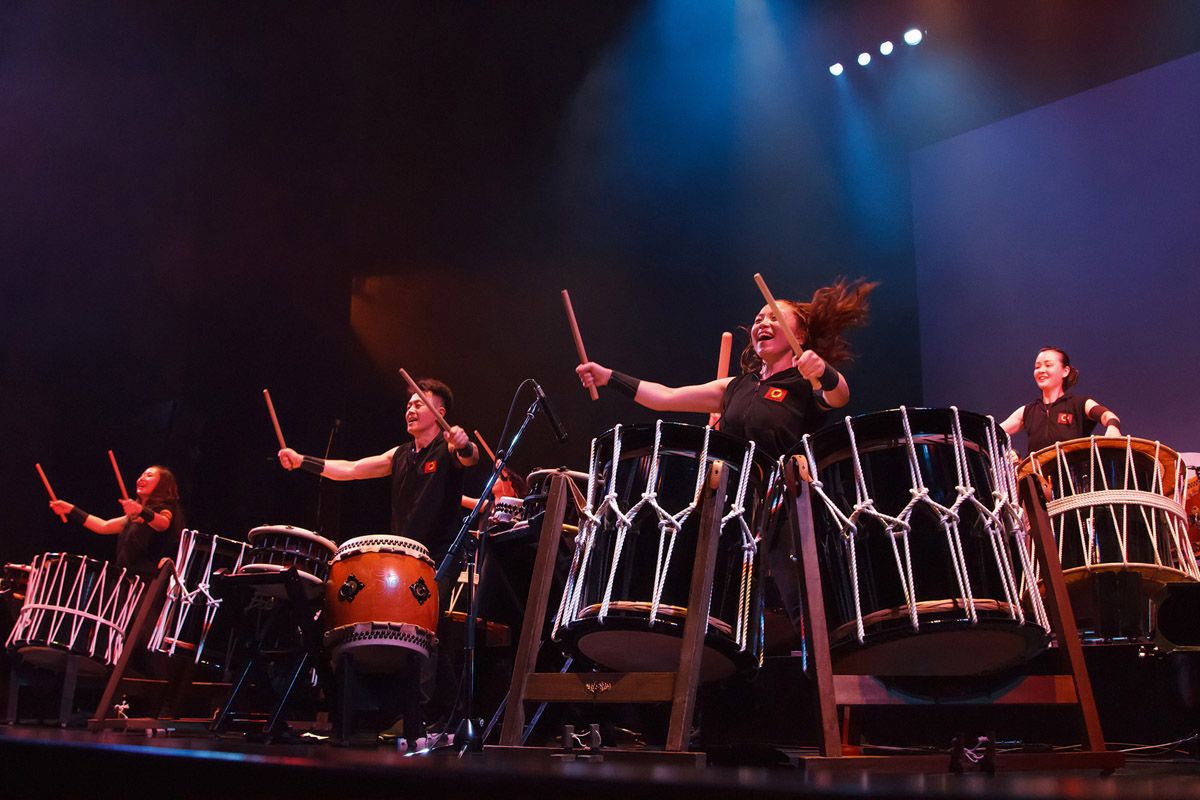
381,602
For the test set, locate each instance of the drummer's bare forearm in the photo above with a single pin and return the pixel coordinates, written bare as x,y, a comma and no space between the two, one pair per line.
1014,422
105,527
704,398
338,469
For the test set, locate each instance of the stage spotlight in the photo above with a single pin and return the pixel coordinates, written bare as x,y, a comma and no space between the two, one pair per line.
886,48
836,69
864,59
913,36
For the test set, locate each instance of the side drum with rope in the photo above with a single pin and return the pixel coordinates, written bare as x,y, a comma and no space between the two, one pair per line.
1120,520
924,561
625,601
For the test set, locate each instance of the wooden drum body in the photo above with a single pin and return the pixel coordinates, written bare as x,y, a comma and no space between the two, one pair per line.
381,602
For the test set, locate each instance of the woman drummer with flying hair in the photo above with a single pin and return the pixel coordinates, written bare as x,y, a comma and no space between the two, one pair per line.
1058,416
778,397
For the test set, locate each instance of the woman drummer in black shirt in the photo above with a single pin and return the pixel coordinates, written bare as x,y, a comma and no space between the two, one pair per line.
1058,416
778,397
148,528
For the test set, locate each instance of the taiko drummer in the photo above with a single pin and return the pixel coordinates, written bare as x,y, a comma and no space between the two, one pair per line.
147,530
779,396
1058,416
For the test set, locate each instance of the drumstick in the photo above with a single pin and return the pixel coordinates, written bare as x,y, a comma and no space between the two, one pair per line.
583,359
49,491
483,443
274,419
797,348
117,472
722,367
437,414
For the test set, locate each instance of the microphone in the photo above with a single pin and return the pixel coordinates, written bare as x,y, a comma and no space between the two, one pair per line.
560,433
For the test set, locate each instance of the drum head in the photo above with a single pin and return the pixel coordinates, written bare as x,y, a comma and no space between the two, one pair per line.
55,660
943,648
290,530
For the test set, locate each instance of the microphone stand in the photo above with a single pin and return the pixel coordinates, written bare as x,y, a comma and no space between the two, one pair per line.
468,736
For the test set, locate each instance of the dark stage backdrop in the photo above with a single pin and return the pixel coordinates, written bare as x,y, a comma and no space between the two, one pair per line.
201,201
1076,225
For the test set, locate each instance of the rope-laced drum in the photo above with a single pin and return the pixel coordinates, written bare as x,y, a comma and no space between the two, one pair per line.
625,600
1120,520
923,553
75,605
381,602
277,548
190,609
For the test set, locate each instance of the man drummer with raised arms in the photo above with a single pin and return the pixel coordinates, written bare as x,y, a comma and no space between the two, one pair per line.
1058,416
427,483
427,472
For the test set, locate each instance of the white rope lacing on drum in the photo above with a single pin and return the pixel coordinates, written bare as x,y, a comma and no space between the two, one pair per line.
848,527
749,547
588,523
668,525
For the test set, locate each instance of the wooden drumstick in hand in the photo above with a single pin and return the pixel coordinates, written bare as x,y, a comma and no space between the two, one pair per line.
722,368
419,392
274,420
117,472
49,491
583,359
797,348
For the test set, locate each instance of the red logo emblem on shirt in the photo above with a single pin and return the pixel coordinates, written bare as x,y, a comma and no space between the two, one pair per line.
1065,419
776,394
429,467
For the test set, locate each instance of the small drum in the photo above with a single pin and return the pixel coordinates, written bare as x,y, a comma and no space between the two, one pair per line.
924,563
189,611
75,606
1120,520
381,602
507,511
276,548
15,581
624,604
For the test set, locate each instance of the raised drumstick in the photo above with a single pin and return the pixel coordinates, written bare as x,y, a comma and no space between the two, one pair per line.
583,359
483,443
49,491
117,472
274,419
797,348
722,367
419,392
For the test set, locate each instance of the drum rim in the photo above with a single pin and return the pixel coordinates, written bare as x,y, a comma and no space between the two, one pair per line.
604,454
265,567
837,429
290,530
364,544
1168,457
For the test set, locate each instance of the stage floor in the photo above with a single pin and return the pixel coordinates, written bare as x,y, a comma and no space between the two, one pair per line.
51,762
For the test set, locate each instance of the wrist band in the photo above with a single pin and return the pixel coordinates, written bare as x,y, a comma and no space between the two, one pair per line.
146,515
77,514
829,379
312,464
625,384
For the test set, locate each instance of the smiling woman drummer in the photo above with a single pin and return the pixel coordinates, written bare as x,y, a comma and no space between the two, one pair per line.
1058,416
779,396
148,529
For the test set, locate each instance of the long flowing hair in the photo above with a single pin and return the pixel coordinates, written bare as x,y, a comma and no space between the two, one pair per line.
823,320
167,490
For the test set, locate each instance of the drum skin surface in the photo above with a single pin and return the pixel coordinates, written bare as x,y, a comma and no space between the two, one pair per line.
945,641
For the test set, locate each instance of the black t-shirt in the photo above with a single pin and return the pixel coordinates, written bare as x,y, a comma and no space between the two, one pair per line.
774,412
139,547
426,494
1059,421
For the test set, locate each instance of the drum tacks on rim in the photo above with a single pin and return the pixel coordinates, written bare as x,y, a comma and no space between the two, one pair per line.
277,548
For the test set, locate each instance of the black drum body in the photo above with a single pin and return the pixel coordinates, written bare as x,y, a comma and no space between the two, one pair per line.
948,594
75,605
626,598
